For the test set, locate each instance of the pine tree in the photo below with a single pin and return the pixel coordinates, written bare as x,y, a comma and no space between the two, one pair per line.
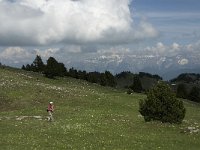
53,68
23,67
38,65
28,67
161,104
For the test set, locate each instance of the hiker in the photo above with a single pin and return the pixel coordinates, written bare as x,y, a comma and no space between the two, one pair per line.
50,110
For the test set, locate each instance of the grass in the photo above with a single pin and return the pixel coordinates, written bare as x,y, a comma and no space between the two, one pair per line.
87,116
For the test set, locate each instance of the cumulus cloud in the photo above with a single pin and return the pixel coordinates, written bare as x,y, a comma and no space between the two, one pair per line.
76,53
165,50
47,52
114,50
44,22
15,53
175,47
183,61
16,56
192,47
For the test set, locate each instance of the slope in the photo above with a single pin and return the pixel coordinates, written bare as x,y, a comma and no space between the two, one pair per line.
87,116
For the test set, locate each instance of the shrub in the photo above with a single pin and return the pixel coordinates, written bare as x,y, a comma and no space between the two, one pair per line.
161,104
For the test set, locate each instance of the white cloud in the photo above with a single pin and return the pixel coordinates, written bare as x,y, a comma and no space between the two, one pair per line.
43,22
183,61
113,50
160,47
193,46
15,53
47,52
165,50
175,47
146,30
19,55
16,56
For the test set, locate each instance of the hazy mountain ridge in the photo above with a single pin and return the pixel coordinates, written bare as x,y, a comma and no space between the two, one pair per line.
167,67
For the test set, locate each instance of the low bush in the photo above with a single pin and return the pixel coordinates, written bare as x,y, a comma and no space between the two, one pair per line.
161,104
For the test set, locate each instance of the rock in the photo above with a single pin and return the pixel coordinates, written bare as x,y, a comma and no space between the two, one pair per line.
37,117
195,131
191,128
140,116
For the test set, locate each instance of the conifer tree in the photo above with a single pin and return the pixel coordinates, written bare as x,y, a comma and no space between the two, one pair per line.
38,65
28,67
53,68
161,104
23,67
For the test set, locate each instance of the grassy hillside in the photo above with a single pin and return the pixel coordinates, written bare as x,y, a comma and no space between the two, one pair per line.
87,116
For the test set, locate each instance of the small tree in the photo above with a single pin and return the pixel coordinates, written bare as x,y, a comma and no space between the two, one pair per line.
161,104
54,68
28,67
38,65
23,67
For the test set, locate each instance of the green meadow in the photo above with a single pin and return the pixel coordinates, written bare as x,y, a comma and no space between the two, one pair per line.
87,116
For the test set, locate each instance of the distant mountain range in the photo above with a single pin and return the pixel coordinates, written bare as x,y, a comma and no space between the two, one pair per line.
166,67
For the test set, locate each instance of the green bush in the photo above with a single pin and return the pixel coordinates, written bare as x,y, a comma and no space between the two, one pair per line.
161,104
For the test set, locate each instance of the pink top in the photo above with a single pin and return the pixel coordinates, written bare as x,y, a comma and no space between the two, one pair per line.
50,107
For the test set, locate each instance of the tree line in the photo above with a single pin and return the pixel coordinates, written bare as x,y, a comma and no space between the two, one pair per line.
188,86
53,69
192,93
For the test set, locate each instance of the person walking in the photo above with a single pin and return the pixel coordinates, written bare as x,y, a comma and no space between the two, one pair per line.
50,110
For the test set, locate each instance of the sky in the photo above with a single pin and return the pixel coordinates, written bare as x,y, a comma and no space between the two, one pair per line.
80,30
